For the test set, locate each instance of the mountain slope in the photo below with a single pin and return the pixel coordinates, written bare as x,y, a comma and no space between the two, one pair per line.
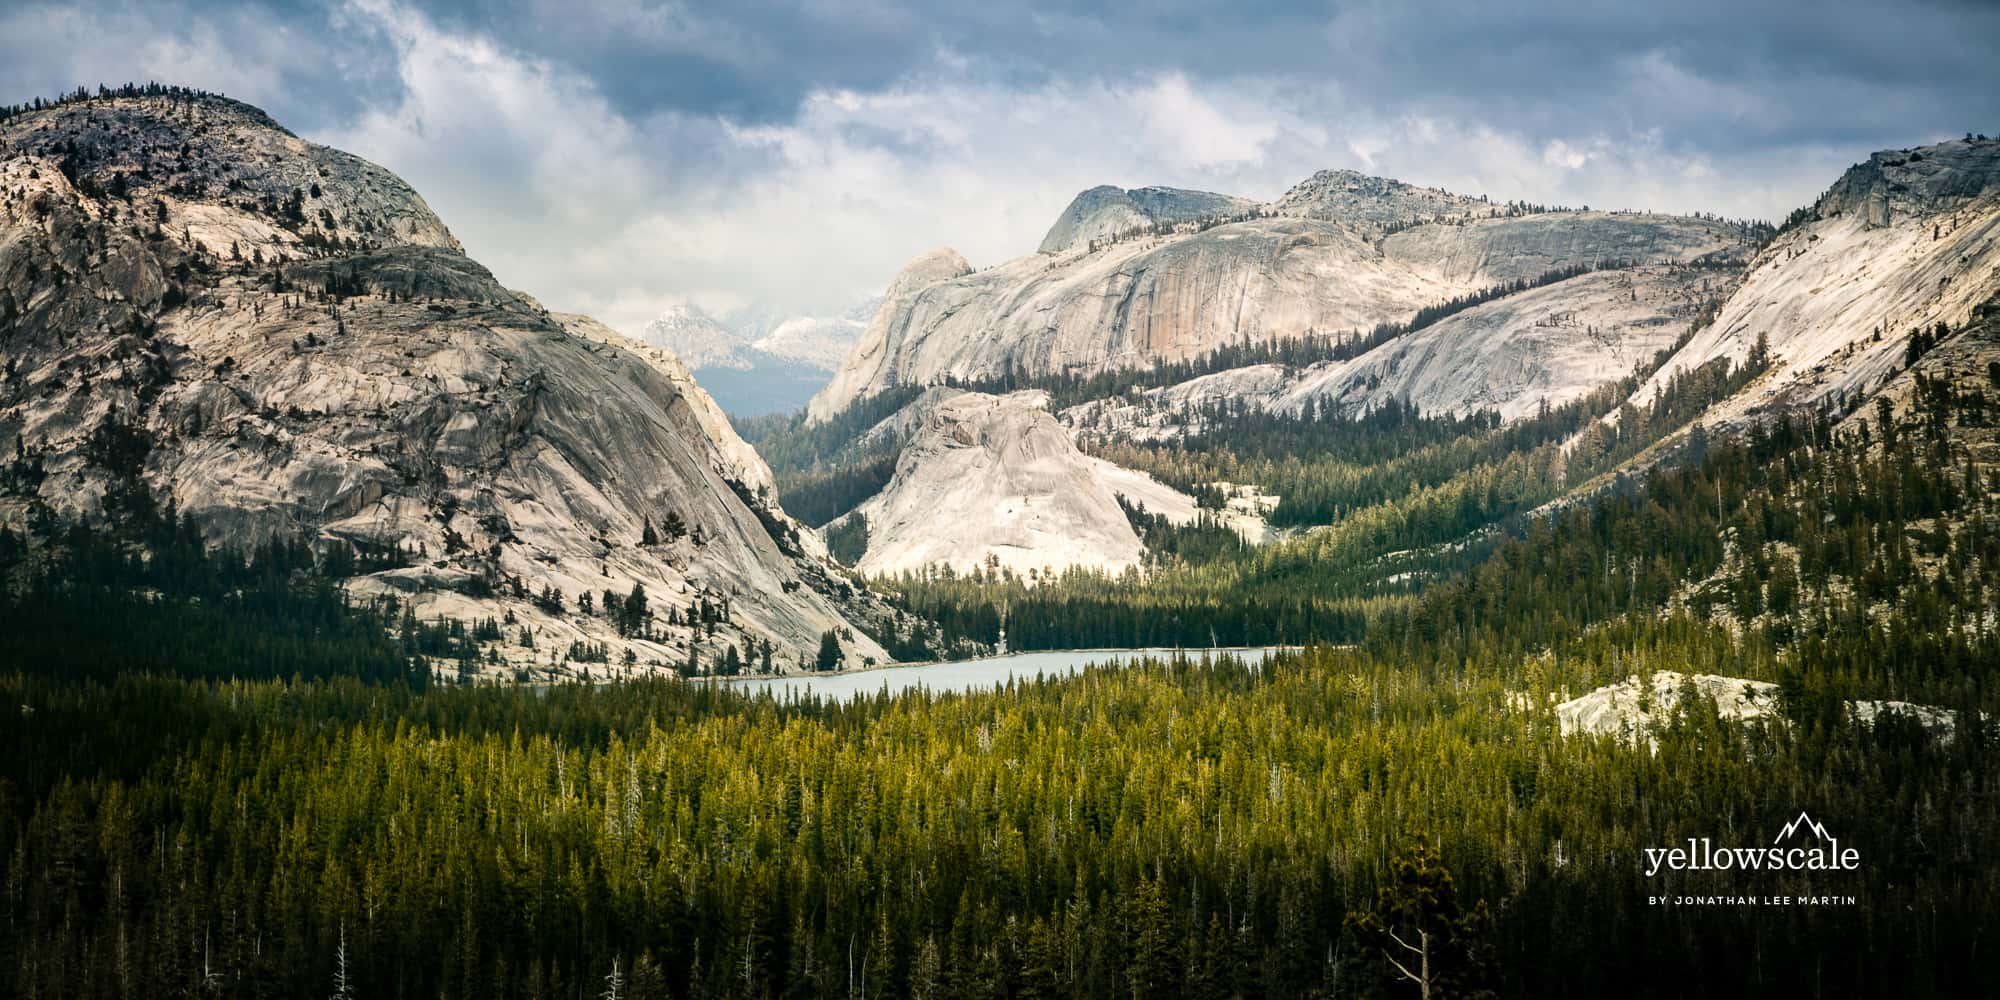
1903,242
1547,345
281,340
1105,213
1330,268
1359,291
697,339
995,480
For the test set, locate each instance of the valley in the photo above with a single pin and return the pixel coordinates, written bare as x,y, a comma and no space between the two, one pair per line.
372,629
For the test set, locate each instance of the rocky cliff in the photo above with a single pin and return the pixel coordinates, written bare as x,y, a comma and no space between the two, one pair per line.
281,340
995,481
1374,203
1550,344
1320,262
1904,241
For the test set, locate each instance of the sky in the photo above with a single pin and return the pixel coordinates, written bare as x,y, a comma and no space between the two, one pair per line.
616,157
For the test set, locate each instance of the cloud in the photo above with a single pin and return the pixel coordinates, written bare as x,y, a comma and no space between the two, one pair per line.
615,156
591,209
292,62
1196,132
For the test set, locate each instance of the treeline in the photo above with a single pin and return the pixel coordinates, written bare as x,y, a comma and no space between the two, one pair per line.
1189,828
1378,505
1174,603
821,470
1867,552
81,95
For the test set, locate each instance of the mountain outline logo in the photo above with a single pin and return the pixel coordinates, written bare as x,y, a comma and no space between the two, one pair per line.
1793,826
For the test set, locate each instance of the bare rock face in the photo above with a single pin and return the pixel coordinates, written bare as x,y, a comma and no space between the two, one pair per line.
282,341
867,367
1547,345
995,481
1136,302
1494,251
1104,213
1322,261
1636,706
1340,253
1907,240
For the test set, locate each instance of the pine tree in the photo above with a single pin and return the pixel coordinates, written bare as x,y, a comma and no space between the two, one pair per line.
1420,931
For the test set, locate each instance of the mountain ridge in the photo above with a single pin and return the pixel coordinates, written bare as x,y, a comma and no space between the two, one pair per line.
1552,308
281,340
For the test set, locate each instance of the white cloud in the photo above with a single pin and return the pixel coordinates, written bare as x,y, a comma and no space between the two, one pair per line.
564,197
1562,154
1197,133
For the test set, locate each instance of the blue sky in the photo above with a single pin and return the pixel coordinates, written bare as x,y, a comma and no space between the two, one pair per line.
616,156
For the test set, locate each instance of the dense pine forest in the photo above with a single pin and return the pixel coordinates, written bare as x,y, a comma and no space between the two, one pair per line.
1190,827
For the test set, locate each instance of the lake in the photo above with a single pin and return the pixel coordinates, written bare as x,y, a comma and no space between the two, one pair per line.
962,675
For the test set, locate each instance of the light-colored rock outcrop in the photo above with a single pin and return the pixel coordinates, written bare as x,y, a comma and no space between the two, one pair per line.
366,381
995,481
1637,705
1551,345
1372,203
1104,213
1908,239
1181,295
866,370
1341,253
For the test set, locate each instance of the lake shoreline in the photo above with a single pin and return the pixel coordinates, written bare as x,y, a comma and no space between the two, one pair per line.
950,676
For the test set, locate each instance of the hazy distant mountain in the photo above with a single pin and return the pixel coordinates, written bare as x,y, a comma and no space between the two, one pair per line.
759,359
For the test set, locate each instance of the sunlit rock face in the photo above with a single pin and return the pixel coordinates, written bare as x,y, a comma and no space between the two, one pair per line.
1120,285
281,340
995,481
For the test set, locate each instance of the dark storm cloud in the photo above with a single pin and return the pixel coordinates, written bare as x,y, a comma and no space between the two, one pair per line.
1834,71
614,155
754,60
1807,70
